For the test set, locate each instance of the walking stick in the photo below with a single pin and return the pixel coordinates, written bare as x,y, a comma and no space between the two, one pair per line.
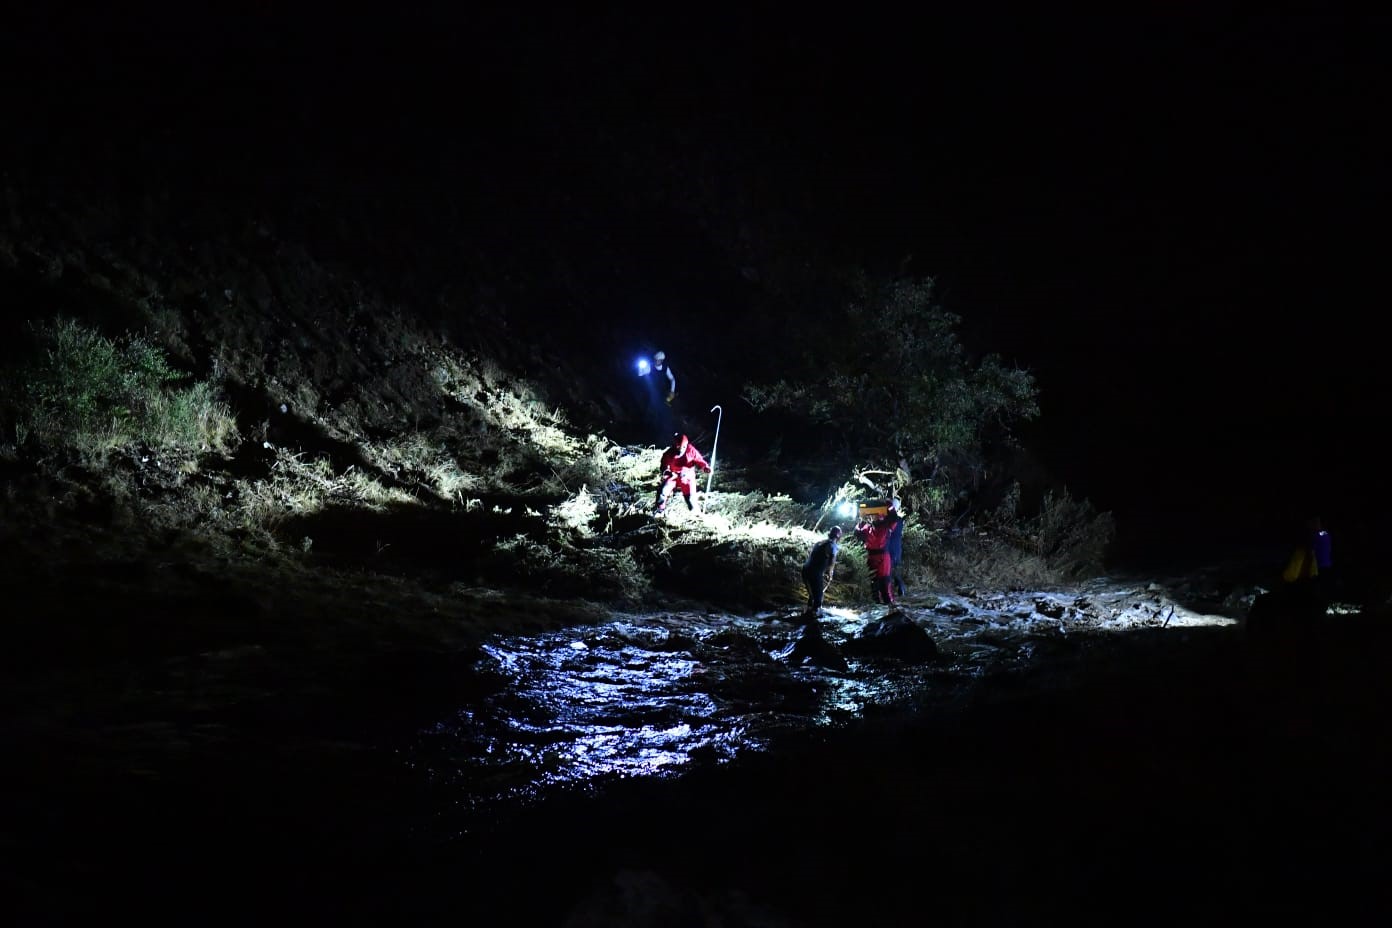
720,415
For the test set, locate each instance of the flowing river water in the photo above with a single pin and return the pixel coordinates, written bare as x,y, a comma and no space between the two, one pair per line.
676,767
646,696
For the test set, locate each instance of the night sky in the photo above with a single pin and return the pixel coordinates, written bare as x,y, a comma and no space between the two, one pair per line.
1176,218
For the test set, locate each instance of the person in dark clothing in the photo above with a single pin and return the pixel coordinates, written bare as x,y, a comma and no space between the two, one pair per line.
820,568
661,388
665,380
894,547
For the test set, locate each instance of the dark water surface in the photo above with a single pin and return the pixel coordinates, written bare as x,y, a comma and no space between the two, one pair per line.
1080,757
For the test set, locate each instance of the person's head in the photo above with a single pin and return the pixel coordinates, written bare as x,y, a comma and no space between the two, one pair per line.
659,358
680,441
835,532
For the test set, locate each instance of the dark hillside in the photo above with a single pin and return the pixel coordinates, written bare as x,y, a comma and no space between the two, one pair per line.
328,484
580,188
404,273
461,173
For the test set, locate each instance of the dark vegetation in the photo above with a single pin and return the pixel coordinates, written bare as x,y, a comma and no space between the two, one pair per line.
349,383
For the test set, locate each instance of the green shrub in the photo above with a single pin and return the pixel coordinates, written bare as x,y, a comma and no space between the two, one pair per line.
891,383
80,389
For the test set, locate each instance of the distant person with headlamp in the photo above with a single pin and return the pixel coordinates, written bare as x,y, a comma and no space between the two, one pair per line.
661,385
661,371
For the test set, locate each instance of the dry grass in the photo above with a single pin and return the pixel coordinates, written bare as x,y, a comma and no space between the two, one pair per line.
983,559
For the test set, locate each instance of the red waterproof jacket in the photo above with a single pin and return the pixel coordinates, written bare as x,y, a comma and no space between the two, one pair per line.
683,463
876,534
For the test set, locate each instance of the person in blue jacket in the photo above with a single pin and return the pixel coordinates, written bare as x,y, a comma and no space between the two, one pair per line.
894,547
1322,549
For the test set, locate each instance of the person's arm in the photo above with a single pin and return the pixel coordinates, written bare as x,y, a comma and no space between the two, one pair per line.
671,381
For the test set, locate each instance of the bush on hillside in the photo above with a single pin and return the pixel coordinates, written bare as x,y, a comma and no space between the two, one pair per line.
77,388
893,387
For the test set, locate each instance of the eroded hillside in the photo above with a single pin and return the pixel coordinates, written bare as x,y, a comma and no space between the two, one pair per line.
341,432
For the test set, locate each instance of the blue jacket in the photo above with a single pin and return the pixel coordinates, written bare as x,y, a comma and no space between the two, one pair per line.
894,545
1324,555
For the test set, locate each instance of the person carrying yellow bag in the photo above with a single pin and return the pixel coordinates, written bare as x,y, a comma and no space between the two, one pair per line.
1302,566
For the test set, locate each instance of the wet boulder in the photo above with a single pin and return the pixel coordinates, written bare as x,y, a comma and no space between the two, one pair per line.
809,647
896,635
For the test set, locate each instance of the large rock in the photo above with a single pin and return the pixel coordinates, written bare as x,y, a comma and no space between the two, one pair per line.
809,647
896,635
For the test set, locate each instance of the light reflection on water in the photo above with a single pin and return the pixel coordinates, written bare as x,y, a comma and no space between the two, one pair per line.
576,706
648,697
631,700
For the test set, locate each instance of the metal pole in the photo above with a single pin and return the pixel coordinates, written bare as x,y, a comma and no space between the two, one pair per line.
720,415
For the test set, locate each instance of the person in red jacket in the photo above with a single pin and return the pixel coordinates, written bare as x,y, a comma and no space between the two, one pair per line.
678,471
875,536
